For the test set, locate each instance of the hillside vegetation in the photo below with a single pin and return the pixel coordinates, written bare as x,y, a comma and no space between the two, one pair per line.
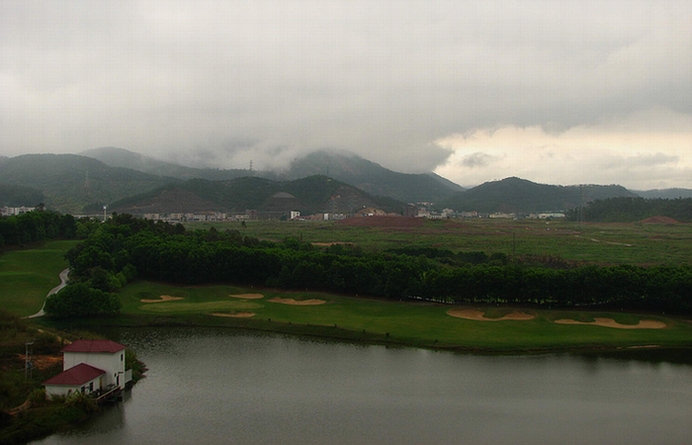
634,209
307,195
70,182
512,195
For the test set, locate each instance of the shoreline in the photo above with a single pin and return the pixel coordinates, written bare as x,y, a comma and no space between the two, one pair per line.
340,334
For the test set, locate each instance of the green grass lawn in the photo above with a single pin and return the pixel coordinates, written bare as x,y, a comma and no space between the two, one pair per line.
408,323
26,276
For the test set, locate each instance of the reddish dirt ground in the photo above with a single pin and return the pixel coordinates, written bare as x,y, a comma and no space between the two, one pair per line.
659,220
382,221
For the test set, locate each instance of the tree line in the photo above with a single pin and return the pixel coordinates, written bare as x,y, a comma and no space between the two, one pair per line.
623,209
125,248
35,226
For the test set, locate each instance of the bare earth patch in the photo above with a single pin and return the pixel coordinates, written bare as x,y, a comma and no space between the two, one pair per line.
42,361
610,323
160,299
293,302
247,296
236,315
472,314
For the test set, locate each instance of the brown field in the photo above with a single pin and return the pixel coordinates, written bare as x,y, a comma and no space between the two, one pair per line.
382,221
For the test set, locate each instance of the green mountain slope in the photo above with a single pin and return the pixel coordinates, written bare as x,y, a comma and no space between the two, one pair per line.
17,196
342,166
71,182
519,195
373,178
119,157
313,194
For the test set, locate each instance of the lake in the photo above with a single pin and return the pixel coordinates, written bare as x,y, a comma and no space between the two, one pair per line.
210,386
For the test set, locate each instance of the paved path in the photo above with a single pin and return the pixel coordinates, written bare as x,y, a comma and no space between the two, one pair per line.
55,290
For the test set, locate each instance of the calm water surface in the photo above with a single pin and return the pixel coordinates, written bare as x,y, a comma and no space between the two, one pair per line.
225,387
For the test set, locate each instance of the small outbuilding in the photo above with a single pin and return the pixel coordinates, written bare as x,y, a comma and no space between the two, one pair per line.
90,365
80,378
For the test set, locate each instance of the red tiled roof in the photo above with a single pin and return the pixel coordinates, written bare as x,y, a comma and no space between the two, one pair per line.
94,346
76,375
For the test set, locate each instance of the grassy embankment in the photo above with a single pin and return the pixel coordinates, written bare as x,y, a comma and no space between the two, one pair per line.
371,320
27,275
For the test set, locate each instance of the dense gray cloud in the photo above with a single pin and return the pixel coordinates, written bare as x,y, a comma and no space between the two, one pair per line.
406,84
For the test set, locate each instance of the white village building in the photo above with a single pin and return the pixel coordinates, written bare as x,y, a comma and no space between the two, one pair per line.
90,365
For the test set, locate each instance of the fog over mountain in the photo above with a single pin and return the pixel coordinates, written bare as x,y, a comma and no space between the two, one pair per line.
569,92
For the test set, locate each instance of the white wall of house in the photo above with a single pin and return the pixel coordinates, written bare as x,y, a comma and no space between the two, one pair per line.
113,364
64,390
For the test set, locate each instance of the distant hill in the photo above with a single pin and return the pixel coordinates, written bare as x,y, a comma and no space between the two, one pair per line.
523,196
72,182
627,209
342,166
314,194
119,157
665,193
372,177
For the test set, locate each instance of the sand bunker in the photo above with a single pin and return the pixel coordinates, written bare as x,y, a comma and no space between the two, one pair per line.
160,299
236,315
247,296
291,301
610,323
472,314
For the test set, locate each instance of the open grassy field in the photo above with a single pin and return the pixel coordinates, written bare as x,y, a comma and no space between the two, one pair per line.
26,276
425,325
599,243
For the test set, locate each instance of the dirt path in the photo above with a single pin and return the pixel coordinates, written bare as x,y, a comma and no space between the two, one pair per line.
55,290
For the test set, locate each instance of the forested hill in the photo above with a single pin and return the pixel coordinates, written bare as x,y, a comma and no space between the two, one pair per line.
634,209
346,167
519,195
71,183
308,195
372,177
119,157
17,196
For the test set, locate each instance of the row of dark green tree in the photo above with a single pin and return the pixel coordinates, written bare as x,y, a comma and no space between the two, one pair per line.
35,226
125,247
623,209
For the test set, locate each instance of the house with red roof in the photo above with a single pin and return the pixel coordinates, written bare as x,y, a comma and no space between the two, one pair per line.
88,366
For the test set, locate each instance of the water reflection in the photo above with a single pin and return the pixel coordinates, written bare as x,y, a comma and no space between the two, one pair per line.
217,386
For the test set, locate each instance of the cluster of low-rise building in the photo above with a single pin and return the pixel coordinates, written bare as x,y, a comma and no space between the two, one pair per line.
11,211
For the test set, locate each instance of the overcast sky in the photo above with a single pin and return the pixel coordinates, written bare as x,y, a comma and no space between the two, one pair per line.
559,92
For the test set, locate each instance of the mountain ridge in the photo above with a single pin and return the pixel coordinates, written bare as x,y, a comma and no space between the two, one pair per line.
80,184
